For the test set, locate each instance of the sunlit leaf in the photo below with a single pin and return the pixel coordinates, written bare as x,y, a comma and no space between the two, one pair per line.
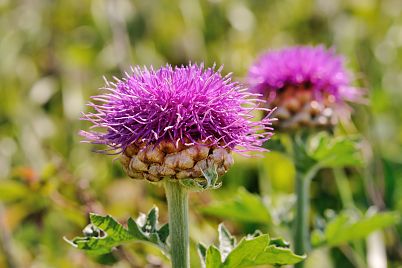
276,256
247,251
213,258
251,251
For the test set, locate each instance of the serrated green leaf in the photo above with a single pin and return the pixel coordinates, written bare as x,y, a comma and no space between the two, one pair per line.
150,224
213,258
255,234
277,256
245,206
258,251
279,242
110,226
246,252
163,233
251,251
226,241
114,235
105,233
134,229
334,151
345,228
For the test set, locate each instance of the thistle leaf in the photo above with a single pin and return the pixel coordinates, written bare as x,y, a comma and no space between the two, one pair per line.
104,233
213,258
253,250
226,241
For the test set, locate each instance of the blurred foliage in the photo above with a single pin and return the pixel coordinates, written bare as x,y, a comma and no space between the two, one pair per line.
244,207
54,54
334,152
347,227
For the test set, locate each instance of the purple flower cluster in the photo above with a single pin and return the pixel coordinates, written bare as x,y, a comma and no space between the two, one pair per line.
316,68
188,105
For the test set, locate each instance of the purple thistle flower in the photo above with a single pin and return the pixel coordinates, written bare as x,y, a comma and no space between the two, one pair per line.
304,77
318,67
188,105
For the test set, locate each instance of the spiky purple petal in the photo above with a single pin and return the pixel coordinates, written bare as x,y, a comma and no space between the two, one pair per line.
187,104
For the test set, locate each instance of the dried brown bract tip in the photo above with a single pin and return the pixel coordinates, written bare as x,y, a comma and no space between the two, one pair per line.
168,160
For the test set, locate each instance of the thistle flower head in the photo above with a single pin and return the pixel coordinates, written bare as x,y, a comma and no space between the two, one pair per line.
303,77
152,113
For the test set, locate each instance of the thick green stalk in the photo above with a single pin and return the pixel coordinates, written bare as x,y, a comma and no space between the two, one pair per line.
177,198
302,213
302,236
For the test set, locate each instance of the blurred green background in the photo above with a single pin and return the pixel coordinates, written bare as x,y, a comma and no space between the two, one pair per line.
53,55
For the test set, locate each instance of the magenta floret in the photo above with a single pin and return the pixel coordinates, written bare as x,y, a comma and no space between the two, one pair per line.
313,66
188,104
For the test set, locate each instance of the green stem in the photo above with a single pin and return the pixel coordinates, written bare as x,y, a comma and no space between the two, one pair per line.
302,211
301,236
177,198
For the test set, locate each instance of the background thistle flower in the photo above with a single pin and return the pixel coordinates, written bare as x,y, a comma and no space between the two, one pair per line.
176,121
306,83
